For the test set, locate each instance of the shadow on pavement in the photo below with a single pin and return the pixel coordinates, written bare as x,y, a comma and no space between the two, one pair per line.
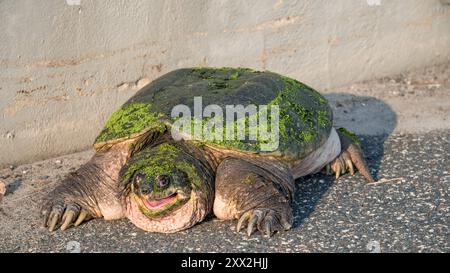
372,120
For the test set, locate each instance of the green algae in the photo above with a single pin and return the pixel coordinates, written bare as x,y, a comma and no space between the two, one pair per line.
235,76
323,119
304,116
231,73
349,134
163,159
223,68
190,170
153,162
131,119
293,111
218,135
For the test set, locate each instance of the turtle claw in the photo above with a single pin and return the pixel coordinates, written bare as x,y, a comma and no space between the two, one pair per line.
267,231
337,168
341,165
67,220
53,220
53,216
252,225
84,215
244,218
349,165
57,214
267,221
347,162
350,160
70,215
254,222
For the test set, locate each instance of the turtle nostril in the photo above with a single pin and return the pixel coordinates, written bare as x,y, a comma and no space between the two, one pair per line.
163,180
145,189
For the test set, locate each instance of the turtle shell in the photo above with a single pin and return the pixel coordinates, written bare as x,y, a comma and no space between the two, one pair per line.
305,118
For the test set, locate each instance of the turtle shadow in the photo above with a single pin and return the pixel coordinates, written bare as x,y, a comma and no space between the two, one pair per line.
373,121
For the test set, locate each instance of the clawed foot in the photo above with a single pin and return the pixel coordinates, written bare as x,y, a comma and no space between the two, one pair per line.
59,213
341,165
267,221
351,157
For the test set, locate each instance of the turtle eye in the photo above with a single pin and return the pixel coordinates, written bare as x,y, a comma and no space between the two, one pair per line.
163,180
143,185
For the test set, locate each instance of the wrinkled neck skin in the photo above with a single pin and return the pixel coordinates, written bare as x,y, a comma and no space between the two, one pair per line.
194,210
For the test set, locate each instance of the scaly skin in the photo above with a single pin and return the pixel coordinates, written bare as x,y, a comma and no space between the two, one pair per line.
89,192
257,192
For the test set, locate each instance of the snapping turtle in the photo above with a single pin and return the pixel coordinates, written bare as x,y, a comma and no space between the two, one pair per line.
161,182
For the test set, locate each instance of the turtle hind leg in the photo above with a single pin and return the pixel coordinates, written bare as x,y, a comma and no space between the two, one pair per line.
259,195
351,156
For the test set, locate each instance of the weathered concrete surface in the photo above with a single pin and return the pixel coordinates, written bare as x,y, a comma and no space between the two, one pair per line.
410,102
64,68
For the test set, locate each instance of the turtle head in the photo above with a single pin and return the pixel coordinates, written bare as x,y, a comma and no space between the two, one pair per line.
166,188
159,193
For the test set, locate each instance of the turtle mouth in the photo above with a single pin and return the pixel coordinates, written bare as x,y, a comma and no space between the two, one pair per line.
157,203
157,206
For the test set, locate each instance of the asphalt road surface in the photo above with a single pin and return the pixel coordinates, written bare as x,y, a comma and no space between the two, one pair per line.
408,212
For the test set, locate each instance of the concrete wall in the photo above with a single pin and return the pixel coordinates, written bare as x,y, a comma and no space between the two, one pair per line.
66,65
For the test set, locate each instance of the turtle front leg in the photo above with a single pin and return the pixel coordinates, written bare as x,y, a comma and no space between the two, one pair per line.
74,201
67,205
258,194
351,156
90,192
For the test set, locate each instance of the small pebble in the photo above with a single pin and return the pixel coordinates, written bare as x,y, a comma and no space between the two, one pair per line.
58,161
12,167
